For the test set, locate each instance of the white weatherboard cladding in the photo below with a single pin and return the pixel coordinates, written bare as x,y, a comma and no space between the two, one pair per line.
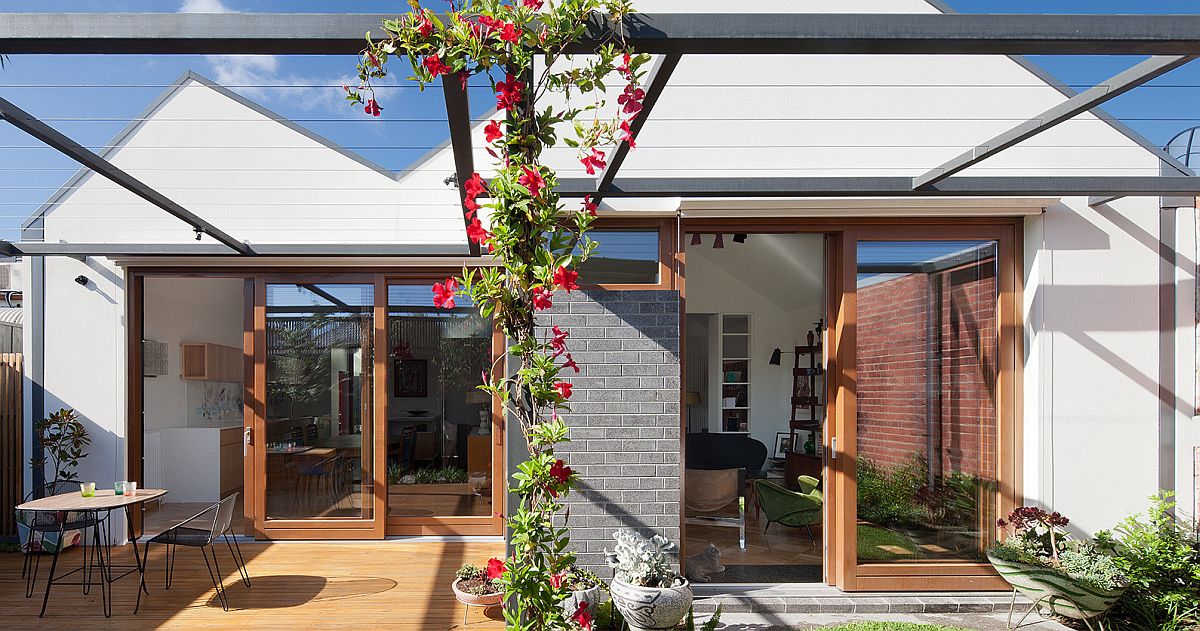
253,177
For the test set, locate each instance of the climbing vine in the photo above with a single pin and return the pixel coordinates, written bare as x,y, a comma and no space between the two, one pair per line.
535,241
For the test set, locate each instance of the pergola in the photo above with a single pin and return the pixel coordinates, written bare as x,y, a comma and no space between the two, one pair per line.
1171,40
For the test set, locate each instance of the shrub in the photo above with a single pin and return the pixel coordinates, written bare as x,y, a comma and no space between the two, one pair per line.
889,497
1161,556
641,561
1037,539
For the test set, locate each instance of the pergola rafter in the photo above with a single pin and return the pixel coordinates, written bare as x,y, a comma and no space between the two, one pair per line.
27,123
1141,73
458,114
655,84
1174,39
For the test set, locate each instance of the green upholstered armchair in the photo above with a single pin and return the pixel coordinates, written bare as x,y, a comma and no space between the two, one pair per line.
798,509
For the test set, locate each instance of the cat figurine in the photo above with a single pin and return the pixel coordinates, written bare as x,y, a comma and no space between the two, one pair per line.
701,567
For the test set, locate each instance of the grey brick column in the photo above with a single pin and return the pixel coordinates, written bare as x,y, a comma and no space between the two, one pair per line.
624,419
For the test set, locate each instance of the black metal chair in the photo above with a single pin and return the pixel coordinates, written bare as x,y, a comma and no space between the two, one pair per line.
197,532
42,523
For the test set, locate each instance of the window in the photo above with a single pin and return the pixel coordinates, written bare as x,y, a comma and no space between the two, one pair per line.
623,257
928,349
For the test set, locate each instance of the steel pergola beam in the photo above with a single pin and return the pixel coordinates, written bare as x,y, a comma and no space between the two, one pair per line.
888,186
655,84
40,248
29,124
458,114
1082,102
659,33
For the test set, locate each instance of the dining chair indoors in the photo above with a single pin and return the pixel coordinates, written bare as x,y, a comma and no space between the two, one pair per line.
202,531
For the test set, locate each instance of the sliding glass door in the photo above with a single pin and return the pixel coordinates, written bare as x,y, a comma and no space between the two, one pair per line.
316,436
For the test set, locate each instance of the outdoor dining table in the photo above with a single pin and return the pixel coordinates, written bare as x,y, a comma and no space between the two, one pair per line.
104,501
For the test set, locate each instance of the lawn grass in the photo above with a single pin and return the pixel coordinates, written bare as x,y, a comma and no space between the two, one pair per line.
890,626
871,538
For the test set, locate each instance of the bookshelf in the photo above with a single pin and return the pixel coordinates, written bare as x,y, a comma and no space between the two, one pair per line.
735,372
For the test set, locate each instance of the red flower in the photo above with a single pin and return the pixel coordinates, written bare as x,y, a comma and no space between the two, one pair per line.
627,133
623,68
435,66
560,471
508,92
565,278
476,232
474,187
443,294
570,363
425,28
556,580
582,617
631,98
490,22
564,389
510,33
593,161
373,60
372,107
491,132
532,180
589,206
541,299
559,342
536,5
495,568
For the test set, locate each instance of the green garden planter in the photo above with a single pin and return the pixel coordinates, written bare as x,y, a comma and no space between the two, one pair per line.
1060,594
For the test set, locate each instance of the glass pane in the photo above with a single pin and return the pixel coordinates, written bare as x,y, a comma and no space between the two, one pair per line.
439,424
319,400
623,257
928,356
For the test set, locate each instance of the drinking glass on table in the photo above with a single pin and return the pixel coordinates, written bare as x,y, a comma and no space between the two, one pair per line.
119,488
87,489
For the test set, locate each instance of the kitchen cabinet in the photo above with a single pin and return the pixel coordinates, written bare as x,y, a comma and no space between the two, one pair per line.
212,362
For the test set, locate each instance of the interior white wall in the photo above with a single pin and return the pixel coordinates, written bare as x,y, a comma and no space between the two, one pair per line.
778,280
179,310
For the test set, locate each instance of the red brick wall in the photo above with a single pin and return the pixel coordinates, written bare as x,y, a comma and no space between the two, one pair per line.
893,371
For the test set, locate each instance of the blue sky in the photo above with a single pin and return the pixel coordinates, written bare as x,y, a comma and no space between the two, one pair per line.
304,88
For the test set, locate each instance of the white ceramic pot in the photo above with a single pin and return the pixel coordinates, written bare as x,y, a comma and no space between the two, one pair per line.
1060,594
651,608
592,596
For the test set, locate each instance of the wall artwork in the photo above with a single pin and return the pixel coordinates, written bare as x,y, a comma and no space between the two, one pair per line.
410,378
213,401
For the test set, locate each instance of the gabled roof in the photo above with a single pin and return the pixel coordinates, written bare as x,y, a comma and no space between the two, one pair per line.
33,223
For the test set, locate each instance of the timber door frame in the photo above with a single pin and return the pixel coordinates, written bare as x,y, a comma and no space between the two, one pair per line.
841,566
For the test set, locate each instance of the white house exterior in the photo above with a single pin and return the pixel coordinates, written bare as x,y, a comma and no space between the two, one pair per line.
1103,381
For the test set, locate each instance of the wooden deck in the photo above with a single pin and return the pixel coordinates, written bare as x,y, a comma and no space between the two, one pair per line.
377,585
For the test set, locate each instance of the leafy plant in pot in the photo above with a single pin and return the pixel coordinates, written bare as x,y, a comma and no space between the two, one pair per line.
476,586
647,591
585,590
1070,577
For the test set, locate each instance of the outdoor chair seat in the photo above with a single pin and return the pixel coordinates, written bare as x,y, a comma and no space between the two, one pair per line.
202,531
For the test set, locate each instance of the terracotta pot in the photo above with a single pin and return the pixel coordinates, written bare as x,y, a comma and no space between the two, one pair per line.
1062,595
476,600
592,596
651,608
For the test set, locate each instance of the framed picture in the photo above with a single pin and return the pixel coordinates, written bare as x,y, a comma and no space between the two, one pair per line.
783,444
410,378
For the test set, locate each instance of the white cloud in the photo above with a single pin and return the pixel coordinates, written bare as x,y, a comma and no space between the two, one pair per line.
258,76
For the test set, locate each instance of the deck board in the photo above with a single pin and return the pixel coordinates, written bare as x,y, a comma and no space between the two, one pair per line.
361,586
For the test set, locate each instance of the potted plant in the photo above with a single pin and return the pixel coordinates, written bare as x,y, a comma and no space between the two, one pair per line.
584,586
473,587
647,591
1070,577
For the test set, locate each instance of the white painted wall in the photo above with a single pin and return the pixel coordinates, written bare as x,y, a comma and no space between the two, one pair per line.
777,280
179,310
